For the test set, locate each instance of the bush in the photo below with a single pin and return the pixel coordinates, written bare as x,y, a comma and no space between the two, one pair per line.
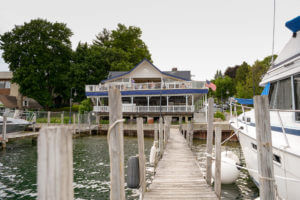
219,115
85,105
75,108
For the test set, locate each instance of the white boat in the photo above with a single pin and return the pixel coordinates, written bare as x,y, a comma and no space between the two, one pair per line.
284,100
14,125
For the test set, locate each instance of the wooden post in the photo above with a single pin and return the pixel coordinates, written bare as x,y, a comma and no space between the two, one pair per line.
55,164
98,122
165,131
264,147
78,122
34,122
180,124
89,121
218,136
161,139
116,146
140,134
191,132
74,123
48,118
155,132
62,117
4,132
209,141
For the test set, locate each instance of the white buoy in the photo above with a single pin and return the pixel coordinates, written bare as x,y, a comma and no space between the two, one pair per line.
152,155
229,172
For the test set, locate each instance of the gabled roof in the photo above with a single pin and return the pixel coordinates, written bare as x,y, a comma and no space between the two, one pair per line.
184,75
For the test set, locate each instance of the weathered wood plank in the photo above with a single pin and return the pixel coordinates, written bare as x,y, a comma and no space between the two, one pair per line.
177,174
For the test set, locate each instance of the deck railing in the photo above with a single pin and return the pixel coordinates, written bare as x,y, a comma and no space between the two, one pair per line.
153,109
147,86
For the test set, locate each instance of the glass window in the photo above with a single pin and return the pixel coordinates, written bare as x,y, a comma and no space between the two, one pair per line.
284,94
297,95
281,94
272,94
7,84
2,84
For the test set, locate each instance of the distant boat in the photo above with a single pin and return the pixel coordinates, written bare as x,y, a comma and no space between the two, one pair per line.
284,96
14,125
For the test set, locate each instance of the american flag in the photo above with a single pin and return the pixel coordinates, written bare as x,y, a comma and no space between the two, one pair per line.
210,85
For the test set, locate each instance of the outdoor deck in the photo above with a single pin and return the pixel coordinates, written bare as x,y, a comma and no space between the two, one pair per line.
178,175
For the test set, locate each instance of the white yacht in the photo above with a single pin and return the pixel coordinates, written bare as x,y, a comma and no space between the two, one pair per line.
283,79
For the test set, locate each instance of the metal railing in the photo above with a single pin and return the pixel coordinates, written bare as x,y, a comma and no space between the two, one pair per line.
123,86
134,108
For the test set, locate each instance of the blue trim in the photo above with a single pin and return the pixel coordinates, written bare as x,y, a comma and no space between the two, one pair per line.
103,81
279,129
152,92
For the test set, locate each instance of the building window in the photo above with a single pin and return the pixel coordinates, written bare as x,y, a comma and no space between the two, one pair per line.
25,103
7,84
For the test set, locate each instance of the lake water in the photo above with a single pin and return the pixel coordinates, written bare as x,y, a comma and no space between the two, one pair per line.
91,169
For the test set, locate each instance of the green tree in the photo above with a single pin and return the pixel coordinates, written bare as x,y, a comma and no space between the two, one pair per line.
85,105
124,47
38,54
225,88
218,75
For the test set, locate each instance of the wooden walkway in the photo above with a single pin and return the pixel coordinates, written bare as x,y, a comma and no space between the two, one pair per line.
178,175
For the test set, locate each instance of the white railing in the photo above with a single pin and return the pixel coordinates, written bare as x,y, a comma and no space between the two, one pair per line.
147,86
157,109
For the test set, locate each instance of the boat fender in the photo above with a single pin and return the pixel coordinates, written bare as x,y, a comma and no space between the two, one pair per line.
153,155
133,172
229,171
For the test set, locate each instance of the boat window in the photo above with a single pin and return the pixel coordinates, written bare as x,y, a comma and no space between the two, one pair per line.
254,146
297,95
276,158
281,95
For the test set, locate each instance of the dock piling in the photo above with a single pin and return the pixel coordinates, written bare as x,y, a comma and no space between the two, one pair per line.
209,141
264,148
217,184
142,160
116,145
55,164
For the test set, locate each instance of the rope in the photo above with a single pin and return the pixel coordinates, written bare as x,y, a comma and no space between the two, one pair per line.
111,127
229,137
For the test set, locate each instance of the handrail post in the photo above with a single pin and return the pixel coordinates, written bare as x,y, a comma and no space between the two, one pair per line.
264,148
4,139
161,142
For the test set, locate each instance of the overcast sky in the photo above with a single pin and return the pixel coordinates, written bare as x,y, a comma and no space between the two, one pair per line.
197,35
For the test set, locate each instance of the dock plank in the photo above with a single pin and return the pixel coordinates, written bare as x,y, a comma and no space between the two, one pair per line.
178,175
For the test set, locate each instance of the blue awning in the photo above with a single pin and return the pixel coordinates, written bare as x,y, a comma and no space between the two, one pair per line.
266,90
244,101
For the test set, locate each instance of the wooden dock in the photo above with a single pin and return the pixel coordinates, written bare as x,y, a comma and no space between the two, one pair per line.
178,175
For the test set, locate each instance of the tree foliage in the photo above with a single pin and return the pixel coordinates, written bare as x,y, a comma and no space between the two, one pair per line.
225,88
39,54
124,47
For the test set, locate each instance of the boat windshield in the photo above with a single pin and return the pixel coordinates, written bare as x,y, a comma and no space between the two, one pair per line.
281,94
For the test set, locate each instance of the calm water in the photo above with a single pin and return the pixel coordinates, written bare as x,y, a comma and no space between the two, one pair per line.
91,169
